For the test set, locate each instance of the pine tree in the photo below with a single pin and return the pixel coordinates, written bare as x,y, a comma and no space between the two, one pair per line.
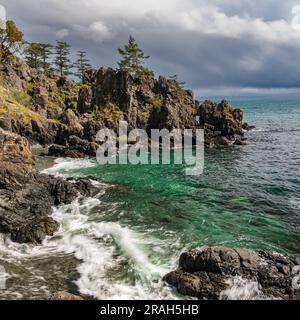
62,59
82,64
133,59
33,55
46,52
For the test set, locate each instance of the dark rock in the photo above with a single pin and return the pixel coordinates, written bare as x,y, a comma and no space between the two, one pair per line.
59,151
248,127
71,127
75,148
220,121
27,197
240,142
206,273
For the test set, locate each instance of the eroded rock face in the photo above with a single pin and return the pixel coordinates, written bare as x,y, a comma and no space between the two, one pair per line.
150,103
208,272
63,109
222,124
27,197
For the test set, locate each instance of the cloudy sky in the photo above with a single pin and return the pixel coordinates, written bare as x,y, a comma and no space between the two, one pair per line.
224,48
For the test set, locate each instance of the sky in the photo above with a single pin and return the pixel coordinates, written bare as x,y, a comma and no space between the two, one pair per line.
233,48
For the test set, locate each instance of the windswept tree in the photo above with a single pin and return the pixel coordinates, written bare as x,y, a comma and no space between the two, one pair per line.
133,59
62,60
11,40
82,64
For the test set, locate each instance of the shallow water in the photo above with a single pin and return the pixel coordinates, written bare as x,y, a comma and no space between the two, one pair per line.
119,244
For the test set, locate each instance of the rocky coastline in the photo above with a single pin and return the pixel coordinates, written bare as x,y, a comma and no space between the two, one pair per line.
65,116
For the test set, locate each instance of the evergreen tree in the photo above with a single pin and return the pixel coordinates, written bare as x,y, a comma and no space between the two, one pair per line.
11,40
33,55
62,60
133,59
82,64
37,55
46,52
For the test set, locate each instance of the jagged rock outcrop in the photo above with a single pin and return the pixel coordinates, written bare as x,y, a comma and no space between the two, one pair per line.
149,103
210,272
58,111
222,124
27,197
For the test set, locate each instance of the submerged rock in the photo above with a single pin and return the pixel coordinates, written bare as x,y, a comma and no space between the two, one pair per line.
213,272
27,197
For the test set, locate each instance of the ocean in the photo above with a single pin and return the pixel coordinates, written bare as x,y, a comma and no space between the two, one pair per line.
119,244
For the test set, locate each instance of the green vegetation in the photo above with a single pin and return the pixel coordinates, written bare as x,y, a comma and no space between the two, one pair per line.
157,101
21,97
11,41
17,110
38,55
133,59
110,115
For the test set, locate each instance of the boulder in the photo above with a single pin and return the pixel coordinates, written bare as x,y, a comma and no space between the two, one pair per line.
211,272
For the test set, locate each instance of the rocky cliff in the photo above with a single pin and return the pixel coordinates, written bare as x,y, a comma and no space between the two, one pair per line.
68,115
149,103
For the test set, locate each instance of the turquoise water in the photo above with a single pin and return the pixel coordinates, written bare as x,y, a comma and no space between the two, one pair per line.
120,244
248,196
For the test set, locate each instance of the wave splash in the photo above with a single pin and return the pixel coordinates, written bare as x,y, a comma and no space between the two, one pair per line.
102,249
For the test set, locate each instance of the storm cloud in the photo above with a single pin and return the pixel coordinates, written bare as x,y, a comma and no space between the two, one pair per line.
218,48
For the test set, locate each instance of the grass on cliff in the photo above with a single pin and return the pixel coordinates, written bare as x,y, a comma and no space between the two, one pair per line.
110,115
9,105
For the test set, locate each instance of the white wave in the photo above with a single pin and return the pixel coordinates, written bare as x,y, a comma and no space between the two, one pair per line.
296,278
104,249
242,289
67,164
96,245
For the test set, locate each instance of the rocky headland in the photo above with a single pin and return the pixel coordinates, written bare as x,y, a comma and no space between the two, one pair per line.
65,116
